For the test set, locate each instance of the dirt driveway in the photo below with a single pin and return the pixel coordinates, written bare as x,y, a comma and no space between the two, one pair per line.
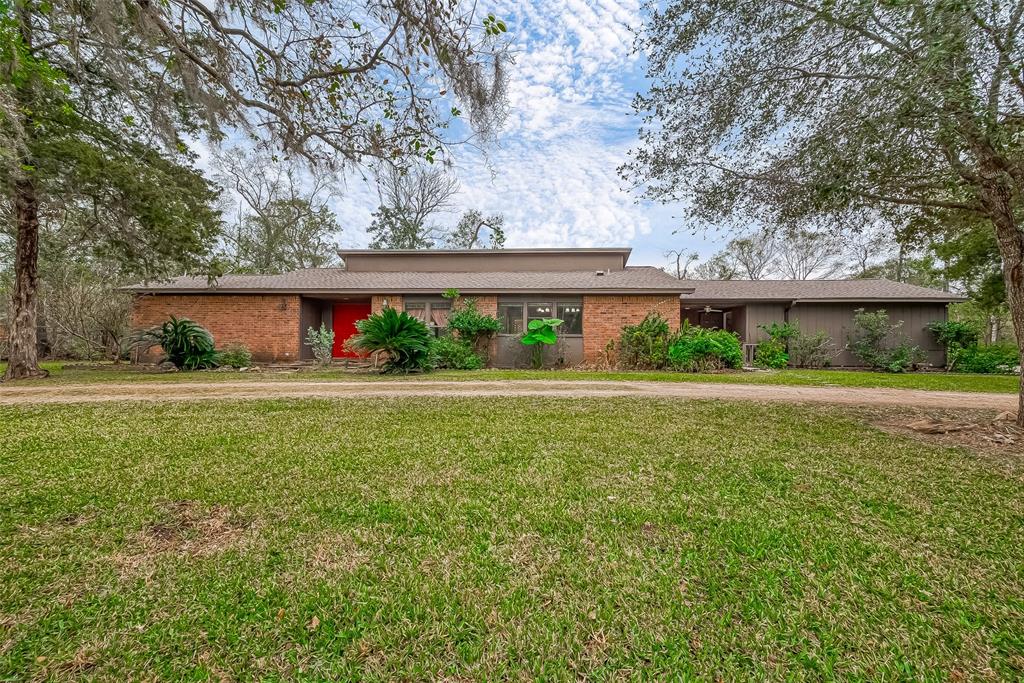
163,391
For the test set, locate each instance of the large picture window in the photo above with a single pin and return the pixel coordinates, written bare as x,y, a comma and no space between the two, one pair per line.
516,315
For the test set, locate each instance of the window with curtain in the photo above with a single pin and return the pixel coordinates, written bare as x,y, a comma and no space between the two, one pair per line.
439,314
417,309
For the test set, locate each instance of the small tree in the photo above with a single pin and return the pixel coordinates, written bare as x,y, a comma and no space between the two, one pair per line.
321,341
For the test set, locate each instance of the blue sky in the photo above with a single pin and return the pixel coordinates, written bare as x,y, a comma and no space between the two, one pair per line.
552,172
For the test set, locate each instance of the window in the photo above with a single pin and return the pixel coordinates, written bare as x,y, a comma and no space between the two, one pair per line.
439,314
571,315
417,309
539,311
511,318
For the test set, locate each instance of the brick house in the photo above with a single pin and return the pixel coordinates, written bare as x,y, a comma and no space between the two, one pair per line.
593,291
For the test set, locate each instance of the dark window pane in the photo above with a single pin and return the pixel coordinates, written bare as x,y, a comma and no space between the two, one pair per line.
511,317
538,311
572,318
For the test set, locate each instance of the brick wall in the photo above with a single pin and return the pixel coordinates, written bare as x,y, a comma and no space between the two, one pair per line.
395,301
268,325
605,316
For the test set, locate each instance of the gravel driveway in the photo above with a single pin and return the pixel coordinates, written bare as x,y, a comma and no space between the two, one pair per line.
98,393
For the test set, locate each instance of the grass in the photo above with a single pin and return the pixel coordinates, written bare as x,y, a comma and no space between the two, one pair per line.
499,539
70,373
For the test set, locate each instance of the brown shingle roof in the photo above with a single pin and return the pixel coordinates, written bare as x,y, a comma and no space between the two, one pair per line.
639,279
812,290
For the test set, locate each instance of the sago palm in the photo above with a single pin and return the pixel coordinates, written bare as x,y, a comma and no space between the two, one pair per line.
405,339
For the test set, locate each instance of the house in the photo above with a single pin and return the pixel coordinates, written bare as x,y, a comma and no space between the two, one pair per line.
594,291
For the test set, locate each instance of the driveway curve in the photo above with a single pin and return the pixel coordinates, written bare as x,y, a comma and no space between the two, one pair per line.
251,390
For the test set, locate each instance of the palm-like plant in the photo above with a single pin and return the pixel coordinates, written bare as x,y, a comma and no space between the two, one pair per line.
186,344
405,339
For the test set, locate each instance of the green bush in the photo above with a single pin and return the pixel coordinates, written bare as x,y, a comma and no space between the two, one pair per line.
812,350
696,349
645,346
405,339
185,343
321,342
234,356
771,353
951,333
880,344
473,327
454,353
991,359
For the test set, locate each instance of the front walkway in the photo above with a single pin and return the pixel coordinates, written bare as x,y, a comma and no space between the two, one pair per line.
192,391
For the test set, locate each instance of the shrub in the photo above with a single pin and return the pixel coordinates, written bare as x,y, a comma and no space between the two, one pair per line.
812,350
185,343
696,349
645,345
880,344
951,333
405,339
771,353
989,359
540,333
321,342
473,326
454,353
235,356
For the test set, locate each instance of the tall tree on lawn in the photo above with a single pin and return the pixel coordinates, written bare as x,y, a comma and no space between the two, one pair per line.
333,82
807,111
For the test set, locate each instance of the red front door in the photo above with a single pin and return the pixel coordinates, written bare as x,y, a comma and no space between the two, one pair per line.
345,318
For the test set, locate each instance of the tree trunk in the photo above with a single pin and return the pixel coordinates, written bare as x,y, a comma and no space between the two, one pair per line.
1010,236
23,361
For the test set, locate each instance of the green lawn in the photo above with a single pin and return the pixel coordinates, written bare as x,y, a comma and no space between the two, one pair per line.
937,381
500,539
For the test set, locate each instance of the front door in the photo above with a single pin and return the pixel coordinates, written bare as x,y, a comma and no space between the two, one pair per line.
345,318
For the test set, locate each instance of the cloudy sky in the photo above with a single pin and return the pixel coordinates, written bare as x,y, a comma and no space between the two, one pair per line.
554,165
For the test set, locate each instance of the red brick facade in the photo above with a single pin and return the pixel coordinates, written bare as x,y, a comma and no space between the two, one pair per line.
267,324
605,316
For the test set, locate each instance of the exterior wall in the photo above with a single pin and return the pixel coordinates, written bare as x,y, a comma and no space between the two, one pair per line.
310,315
836,320
761,314
395,301
267,324
605,316
481,261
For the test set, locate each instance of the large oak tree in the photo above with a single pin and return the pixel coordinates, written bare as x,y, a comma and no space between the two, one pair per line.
808,112
333,81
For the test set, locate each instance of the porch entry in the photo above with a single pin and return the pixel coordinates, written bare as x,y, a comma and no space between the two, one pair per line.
344,319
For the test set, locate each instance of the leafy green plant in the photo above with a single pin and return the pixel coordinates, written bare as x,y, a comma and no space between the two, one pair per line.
771,353
812,350
880,344
405,339
321,342
698,349
454,353
472,326
185,343
234,356
953,333
644,346
988,359
540,333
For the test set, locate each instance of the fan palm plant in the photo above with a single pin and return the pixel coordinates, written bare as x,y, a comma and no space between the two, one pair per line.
185,343
405,339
